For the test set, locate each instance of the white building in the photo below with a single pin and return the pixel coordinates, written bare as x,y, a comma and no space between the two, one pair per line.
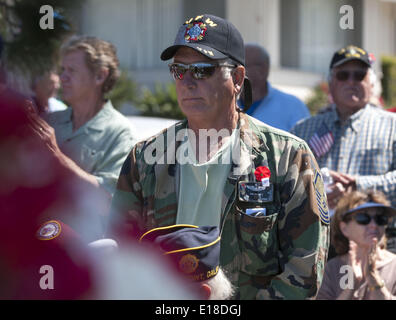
300,35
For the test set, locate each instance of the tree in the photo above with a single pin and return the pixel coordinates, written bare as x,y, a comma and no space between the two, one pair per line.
32,31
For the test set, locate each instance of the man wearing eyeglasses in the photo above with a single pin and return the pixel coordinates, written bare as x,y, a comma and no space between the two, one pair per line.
261,186
355,140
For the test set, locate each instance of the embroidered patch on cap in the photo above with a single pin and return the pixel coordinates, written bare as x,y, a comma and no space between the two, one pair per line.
49,230
195,31
193,251
188,263
352,51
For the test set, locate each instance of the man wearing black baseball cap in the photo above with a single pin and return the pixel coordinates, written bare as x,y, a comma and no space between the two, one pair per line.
215,38
350,53
354,139
223,168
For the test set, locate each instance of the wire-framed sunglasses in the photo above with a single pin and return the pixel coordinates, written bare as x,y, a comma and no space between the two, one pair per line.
364,218
344,75
200,70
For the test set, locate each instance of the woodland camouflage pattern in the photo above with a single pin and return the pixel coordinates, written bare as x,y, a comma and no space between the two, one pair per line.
278,256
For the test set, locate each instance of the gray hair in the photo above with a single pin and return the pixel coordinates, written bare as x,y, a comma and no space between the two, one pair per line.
227,71
221,286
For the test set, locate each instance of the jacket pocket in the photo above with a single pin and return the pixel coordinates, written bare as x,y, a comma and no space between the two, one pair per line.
258,241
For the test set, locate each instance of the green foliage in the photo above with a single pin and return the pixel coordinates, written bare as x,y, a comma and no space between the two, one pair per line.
124,91
389,80
319,99
160,103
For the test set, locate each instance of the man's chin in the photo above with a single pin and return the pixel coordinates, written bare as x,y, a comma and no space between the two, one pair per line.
354,104
194,110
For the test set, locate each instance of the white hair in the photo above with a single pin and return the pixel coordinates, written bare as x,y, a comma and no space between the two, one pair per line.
221,287
376,89
227,72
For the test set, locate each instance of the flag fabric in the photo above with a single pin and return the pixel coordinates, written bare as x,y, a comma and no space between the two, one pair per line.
321,141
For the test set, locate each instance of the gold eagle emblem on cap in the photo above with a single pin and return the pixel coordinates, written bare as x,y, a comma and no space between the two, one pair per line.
188,263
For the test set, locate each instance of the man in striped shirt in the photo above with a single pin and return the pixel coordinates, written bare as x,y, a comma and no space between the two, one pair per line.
355,140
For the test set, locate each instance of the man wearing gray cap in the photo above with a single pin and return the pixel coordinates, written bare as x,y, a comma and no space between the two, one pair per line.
260,186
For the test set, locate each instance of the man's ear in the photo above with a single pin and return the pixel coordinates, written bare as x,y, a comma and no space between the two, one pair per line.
238,75
205,290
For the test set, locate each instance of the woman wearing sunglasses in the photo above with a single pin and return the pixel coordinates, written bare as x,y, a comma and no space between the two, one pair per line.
363,269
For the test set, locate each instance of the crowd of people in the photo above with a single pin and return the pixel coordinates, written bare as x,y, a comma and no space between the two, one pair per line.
229,203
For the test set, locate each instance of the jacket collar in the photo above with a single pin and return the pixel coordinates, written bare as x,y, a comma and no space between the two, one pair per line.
97,124
250,145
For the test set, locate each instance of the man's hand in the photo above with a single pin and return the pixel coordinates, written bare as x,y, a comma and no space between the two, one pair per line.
343,183
348,181
46,133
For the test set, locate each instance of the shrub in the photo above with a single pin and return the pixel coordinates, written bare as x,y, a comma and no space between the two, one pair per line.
388,64
319,98
124,91
160,103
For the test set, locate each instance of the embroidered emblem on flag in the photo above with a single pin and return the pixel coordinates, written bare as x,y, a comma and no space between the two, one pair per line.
321,142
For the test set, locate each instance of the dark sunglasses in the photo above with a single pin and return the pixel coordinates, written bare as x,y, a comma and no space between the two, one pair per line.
364,218
345,75
201,70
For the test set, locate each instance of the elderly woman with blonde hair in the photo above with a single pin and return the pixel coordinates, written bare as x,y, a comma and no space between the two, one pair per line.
363,268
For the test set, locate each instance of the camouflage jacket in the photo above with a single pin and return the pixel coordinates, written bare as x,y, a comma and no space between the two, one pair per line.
277,256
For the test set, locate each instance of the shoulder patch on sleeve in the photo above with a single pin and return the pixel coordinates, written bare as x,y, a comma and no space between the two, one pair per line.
321,199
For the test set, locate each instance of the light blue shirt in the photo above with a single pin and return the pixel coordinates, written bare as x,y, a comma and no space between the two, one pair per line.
279,109
100,146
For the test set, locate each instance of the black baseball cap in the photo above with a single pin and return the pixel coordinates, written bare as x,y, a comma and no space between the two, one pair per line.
215,38
350,53
195,251
210,35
